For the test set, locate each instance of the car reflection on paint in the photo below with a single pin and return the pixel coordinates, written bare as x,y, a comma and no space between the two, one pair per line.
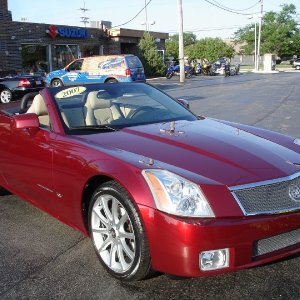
155,187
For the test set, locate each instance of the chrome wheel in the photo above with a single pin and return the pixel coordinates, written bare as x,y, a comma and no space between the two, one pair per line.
117,232
5,96
113,233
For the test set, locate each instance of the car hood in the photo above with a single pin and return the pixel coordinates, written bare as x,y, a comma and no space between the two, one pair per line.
209,148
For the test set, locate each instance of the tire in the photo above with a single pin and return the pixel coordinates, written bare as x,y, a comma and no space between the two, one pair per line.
56,83
169,75
111,80
5,96
4,192
297,68
117,233
188,75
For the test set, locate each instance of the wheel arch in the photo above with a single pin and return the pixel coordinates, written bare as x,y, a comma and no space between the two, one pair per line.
95,181
111,78
87,193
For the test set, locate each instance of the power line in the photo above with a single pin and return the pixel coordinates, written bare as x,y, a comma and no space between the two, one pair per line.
230,10
207,29
134,16
237,10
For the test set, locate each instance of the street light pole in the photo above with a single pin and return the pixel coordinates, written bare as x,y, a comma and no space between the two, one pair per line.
259,32
255,47
180,35
255,42
146,15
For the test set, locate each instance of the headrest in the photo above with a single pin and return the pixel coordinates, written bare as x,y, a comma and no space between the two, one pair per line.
98,100
38,106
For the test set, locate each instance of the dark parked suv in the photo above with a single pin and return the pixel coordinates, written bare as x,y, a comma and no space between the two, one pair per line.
296,64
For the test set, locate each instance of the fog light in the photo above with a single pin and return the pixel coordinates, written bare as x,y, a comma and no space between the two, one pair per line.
214,259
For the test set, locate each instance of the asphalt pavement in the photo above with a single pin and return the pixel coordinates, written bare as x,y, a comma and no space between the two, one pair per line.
41,258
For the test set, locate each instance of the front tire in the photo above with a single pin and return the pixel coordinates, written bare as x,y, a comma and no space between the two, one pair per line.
5,96
117,233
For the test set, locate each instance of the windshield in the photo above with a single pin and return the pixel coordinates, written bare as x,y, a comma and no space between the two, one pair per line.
109,107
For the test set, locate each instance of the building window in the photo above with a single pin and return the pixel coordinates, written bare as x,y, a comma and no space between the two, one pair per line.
34,58
2,46
64,54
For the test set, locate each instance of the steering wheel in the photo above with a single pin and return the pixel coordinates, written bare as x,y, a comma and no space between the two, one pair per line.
141,109
25,100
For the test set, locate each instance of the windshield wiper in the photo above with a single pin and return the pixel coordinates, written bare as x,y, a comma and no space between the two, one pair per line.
94,127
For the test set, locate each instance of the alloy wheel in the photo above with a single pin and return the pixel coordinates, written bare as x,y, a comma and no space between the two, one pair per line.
113,233
5,96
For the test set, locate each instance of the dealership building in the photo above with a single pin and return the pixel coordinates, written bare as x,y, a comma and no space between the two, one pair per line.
27,46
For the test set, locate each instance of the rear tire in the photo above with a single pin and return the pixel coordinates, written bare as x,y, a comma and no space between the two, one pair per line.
169,75
112,80
56,83
117,233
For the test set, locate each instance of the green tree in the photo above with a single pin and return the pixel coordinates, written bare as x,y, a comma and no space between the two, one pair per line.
209,48
172,44
188,38
280,33
172,49
149,56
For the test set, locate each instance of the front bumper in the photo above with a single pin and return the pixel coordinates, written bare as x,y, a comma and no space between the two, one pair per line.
176,243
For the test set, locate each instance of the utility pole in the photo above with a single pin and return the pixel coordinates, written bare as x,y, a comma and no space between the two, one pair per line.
85,19
146,17
259,32
180,35
255,46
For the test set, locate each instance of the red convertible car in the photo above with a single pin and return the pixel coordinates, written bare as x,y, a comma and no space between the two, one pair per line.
156,187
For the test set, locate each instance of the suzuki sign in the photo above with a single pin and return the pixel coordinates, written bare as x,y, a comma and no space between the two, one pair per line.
66,32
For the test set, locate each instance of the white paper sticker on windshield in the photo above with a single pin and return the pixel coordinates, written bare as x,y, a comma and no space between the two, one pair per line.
73,91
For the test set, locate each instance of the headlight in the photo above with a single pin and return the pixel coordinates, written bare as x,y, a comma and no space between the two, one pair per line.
176,195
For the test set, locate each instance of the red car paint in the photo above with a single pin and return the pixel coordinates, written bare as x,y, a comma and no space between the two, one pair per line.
50,169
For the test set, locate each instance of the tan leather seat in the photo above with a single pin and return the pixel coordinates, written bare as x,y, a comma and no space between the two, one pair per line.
38,107
100,109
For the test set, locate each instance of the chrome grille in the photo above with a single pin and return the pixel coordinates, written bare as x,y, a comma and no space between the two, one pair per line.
268,197
277,242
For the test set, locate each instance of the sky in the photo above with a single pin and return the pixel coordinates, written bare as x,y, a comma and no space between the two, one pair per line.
199,16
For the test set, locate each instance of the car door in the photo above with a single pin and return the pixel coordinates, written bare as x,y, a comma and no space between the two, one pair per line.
29,165
74,73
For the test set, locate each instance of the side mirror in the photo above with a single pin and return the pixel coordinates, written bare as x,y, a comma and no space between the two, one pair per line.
26,121
184,103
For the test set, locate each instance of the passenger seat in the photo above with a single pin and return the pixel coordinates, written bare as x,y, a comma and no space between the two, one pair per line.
100,109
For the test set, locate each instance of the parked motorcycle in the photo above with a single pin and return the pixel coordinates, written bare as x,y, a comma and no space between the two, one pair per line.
226,70
196,69
208,69
175,70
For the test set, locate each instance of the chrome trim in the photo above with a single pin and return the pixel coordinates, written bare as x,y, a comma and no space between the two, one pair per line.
266,182
297,141
261,183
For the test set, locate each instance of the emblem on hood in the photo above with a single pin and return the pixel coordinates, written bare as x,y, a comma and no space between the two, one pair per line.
294,192
171,130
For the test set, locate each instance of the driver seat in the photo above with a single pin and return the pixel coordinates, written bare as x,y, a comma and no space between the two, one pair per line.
39,108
